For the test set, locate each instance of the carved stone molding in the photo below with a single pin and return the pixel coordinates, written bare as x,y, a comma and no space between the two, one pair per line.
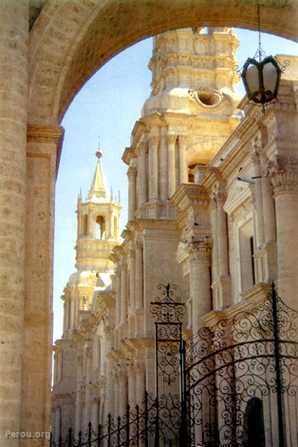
200,250
284,182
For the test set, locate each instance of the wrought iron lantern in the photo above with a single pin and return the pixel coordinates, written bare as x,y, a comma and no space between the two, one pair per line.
261,79
261,75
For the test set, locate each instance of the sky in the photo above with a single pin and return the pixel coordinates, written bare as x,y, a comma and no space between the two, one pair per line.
105,111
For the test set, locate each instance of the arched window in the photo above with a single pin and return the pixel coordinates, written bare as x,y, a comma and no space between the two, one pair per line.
100,230
115,226
84,303
85,224
254,430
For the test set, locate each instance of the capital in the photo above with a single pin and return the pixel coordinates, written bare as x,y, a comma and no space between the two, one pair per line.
132,171
200,250
285,182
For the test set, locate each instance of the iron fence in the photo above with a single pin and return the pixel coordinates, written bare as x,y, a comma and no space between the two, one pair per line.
235,384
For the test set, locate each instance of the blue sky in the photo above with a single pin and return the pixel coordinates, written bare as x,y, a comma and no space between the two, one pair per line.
107,107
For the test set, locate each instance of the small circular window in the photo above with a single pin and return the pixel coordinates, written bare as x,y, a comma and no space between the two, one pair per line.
209,98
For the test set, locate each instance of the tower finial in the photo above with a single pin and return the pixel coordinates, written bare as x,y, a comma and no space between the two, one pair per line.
99,154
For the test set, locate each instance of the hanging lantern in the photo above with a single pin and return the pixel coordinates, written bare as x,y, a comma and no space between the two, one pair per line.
261,79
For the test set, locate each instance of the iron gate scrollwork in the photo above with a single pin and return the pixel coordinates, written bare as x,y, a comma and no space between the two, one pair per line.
242,379
234,384
168,315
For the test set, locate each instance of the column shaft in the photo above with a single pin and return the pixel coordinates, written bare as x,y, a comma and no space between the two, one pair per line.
199,285
183,162
132,279
140,386
286,199
153,168
13,118
123,317
268,210
142,176
171,164
163,179
139,277
132,176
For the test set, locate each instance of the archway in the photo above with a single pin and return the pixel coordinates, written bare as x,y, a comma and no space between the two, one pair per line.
69,42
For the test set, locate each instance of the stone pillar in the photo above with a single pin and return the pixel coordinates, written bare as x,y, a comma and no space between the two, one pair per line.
163,180
142,175
123,392
199,277
258,199
43,145
214,232
132,279
123,298
109,391
285,184
139,300
118,293
222,253
132,388
140,383
153,168
172,164
132,176
268,211
183,163
269,231
13,118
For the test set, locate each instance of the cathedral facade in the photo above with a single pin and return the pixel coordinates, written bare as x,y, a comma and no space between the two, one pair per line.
211,209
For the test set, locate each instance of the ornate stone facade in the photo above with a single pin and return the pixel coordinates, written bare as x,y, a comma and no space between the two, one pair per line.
48,50
205,183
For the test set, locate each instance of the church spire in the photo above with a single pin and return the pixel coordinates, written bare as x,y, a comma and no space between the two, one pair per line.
98,189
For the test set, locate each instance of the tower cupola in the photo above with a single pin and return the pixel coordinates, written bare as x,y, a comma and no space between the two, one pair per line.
98,224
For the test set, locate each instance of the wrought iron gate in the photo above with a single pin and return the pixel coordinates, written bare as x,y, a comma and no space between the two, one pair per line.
235,384
242,379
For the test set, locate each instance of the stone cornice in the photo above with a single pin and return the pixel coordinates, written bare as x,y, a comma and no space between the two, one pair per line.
156,224
47,135
256,295
128,154
190,194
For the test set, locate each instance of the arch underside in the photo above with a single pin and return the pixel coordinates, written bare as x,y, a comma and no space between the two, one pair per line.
71,40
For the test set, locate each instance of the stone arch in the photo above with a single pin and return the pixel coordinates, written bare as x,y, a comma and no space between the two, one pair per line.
71,40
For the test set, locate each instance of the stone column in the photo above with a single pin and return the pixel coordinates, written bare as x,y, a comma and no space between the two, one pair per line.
118,293
109,390
269,230
285,185
142,175
258,199
132,176
214,232
139,300
123,298
132,388
183,162
43,145
223,255
13,118
123,392
163,180
268,211
199,277
153,168
140,383
171,164
132,279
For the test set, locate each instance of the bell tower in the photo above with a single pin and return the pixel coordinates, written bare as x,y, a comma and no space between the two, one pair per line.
191,111
98,224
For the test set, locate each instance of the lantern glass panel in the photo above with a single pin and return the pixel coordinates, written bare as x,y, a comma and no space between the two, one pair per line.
252,79
270,77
